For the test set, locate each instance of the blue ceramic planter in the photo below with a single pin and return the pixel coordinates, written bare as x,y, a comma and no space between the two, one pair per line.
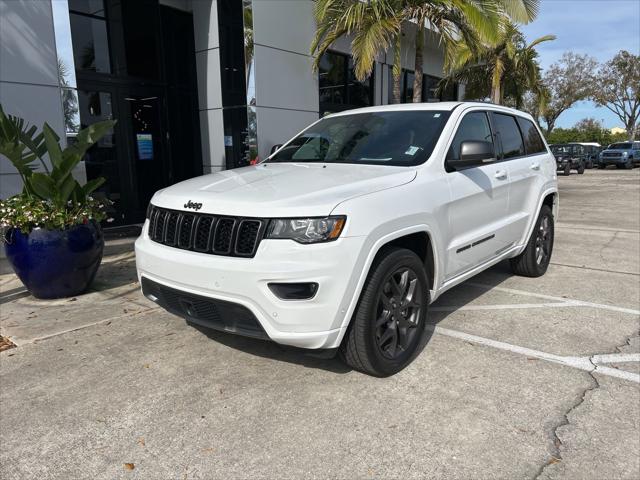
56,263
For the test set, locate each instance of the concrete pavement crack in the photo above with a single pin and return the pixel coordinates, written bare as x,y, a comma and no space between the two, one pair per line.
556,454
556,443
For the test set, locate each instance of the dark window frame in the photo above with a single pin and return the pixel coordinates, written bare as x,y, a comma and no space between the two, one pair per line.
500,157
347,103
453,137
520,119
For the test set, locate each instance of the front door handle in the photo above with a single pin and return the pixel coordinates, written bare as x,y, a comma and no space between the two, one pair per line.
535,166
501,174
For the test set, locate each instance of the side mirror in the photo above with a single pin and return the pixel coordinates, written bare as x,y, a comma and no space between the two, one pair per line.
473,152
274,148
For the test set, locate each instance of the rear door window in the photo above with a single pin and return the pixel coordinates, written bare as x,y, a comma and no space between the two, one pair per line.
533,142
509,133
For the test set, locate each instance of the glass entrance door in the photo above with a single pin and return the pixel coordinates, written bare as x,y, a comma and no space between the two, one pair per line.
133,156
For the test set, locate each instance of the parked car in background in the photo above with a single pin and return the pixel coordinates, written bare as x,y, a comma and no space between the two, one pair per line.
622,155
592,153
342,237
569,156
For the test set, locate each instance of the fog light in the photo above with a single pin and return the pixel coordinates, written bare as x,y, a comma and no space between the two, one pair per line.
294,291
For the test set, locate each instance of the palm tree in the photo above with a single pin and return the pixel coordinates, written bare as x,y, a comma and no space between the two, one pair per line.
376,26
488,69
468,21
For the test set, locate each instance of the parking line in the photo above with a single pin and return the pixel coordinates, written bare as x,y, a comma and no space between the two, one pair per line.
578,303
580,363
616,358
453,308
595,229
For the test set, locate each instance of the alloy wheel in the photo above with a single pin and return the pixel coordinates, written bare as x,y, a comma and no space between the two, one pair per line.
543,241
398,313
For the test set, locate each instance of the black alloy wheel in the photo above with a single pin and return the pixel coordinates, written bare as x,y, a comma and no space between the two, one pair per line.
398,313
388,328
543,241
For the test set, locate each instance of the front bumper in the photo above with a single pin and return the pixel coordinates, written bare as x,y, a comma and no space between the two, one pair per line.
613,160
314,323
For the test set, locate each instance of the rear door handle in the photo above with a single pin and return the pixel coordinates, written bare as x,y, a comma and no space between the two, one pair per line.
501,174
535,166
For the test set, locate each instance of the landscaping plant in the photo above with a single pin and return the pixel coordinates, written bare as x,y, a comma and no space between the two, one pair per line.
51,198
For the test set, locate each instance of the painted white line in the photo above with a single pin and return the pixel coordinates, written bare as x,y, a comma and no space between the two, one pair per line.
578,303
595,229
581,363
616,358
453,308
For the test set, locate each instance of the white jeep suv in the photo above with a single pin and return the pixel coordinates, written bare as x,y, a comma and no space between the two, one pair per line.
343,236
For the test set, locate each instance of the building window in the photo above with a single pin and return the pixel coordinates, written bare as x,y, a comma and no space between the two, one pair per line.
339,87
430,86
90,38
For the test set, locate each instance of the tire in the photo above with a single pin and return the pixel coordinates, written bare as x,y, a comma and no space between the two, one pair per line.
629,164
580,168
528,263
619,166
567,170
367,346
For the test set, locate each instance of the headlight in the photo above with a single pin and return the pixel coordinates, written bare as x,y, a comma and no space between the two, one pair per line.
625,154
306,230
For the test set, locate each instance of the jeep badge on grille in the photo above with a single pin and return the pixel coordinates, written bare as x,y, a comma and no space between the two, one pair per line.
195,206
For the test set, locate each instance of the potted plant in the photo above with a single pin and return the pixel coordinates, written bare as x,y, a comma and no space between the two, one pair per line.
52,234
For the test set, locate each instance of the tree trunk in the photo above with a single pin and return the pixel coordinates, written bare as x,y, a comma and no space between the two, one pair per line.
496,83
397,69
418,76
631,129
396,88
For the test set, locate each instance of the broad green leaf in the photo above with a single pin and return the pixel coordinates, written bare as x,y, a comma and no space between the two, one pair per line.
43,186
91,185
53,147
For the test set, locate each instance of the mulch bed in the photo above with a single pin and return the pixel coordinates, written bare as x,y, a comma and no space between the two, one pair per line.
5,344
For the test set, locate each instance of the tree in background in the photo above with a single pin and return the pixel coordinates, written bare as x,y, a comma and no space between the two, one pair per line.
467,21
586,130
375,26
508,68
566,82
618,89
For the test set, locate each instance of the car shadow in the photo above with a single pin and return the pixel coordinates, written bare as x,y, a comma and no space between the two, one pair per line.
457,297
323,360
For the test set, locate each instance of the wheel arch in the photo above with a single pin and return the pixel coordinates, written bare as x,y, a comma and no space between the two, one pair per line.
419,237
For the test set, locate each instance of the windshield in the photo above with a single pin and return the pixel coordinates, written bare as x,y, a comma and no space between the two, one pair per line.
401,138
620,146
567,149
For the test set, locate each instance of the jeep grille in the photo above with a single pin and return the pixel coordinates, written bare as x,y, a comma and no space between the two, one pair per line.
213,234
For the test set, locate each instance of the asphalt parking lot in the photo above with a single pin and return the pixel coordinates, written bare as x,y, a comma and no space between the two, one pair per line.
522,378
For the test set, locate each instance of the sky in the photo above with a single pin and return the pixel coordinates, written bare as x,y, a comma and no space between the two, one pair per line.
599,28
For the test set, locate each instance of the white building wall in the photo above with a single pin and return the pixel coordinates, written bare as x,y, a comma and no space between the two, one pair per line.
205,26
286,87
29,85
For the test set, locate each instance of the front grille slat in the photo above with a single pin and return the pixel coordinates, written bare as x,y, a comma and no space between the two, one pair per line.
212,234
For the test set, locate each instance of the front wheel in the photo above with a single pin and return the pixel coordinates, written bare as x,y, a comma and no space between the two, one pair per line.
629,164
388,325
534,260
580,168
567,170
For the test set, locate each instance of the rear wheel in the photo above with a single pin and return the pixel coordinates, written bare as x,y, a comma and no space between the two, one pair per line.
388,326
534,260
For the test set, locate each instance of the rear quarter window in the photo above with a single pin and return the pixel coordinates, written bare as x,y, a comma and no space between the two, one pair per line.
533,142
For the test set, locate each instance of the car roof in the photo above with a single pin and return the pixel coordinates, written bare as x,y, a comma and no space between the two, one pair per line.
429,106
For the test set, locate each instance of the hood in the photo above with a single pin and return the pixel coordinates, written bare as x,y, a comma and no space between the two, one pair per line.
281,189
